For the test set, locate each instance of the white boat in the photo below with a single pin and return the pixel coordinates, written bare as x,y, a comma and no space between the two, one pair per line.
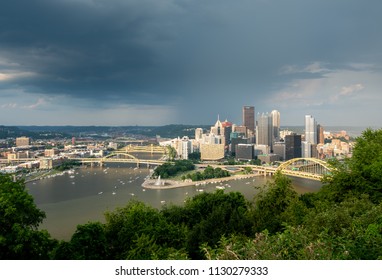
220,187
100,193
114,193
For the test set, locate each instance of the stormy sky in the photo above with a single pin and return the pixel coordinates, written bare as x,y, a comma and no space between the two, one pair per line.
156,62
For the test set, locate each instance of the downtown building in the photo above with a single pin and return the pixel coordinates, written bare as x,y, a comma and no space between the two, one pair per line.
213,145
183,146
309,146
276,124
264,130
249,119
293,147
22,141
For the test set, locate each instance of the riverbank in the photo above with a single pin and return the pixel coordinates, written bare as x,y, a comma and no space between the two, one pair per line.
172,184
51,173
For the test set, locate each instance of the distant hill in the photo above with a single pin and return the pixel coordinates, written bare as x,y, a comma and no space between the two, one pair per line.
13,132
167,131
175,130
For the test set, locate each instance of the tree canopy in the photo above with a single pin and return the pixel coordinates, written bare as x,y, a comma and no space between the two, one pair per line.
360,174
19,221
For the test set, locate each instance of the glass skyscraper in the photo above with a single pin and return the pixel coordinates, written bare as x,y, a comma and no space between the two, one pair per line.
264,132
310,136
310,129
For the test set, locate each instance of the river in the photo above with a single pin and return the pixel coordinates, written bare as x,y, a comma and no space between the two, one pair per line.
85,195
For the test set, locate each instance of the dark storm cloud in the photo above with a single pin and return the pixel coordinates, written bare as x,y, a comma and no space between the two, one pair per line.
156,52
86,48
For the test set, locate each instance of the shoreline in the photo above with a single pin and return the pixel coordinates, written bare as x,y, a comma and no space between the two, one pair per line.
49,174
150,183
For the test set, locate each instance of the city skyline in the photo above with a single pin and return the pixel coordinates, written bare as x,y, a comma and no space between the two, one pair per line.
161,62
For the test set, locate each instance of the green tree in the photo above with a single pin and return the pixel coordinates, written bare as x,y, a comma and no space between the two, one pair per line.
360,174
270,204
211,215
167,170
171,153
248,170
19,221
195,156
89,242
291,244
129,230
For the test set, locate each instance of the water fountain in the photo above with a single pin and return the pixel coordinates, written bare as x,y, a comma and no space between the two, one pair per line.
158,182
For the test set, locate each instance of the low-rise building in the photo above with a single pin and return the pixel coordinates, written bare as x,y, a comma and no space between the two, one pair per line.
49,163
22,141
51,152
211,151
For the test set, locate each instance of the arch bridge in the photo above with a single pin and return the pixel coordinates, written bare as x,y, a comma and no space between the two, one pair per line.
120,157
152,149
308,168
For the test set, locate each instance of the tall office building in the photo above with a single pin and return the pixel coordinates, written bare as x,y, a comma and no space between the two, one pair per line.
276,124
310,129
292,146
320,134
264,131
249,118
310,137
306,149
185,147
217,129
227,129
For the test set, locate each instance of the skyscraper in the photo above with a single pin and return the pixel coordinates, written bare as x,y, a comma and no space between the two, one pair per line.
310,136
249,117
320,134
264,131
292,146
227,129
276,124
310,129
